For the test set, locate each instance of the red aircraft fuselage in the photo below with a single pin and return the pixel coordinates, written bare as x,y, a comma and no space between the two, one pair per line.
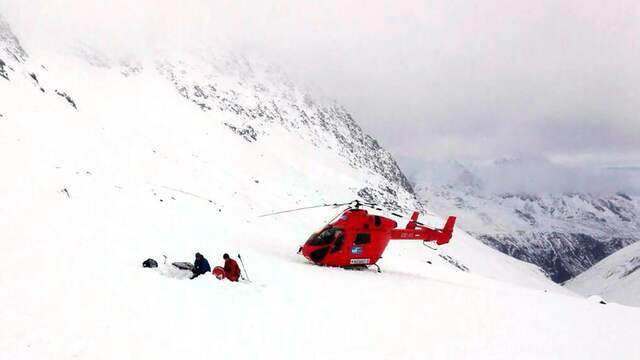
359,239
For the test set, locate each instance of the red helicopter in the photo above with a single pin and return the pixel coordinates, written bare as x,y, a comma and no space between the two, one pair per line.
357,239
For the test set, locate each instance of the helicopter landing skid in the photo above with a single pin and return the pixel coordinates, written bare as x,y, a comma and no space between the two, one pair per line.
363,267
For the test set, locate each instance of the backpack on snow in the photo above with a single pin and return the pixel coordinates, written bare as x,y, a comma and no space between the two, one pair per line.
150,263
183,265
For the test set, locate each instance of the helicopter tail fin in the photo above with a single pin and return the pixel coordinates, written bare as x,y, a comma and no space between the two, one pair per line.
447,231
413,222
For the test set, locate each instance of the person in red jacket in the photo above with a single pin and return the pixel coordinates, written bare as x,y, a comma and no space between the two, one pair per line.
231,268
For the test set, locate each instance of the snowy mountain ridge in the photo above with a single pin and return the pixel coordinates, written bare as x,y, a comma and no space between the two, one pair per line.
285,105
11,50
258,96
563,233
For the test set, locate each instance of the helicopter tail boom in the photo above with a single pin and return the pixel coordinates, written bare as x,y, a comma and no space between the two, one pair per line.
414,232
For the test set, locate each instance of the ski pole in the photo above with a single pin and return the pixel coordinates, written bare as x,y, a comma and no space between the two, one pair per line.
243,268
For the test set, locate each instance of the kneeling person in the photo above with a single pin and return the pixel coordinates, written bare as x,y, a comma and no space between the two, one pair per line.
200,266
231,268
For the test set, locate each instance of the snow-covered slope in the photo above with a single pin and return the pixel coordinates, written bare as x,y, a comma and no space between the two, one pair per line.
108,162
267,144
563,233
616,277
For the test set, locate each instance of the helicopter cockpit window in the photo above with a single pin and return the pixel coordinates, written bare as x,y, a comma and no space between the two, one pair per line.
338,245
326,237
362,238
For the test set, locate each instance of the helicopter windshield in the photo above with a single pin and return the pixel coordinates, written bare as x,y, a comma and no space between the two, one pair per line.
325,237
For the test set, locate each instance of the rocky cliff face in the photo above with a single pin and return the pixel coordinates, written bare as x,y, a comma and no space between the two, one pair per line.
564,234
11,53
259,97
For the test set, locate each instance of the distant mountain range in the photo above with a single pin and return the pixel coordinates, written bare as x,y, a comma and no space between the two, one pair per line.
563,233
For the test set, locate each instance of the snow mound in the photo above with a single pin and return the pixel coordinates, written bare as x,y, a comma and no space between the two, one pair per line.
616,277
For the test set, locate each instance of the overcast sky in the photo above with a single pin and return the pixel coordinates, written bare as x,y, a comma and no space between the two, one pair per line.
432,80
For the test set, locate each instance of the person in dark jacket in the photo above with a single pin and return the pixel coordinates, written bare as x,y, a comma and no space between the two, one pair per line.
200,266
231,268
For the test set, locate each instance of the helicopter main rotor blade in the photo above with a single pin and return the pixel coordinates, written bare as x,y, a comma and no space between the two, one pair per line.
303,208
372,205
404,217
340,213
375,206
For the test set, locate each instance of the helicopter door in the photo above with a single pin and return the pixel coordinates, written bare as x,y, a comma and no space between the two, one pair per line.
361,240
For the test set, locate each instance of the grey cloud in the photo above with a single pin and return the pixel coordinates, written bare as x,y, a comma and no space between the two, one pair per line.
526,175
434,79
